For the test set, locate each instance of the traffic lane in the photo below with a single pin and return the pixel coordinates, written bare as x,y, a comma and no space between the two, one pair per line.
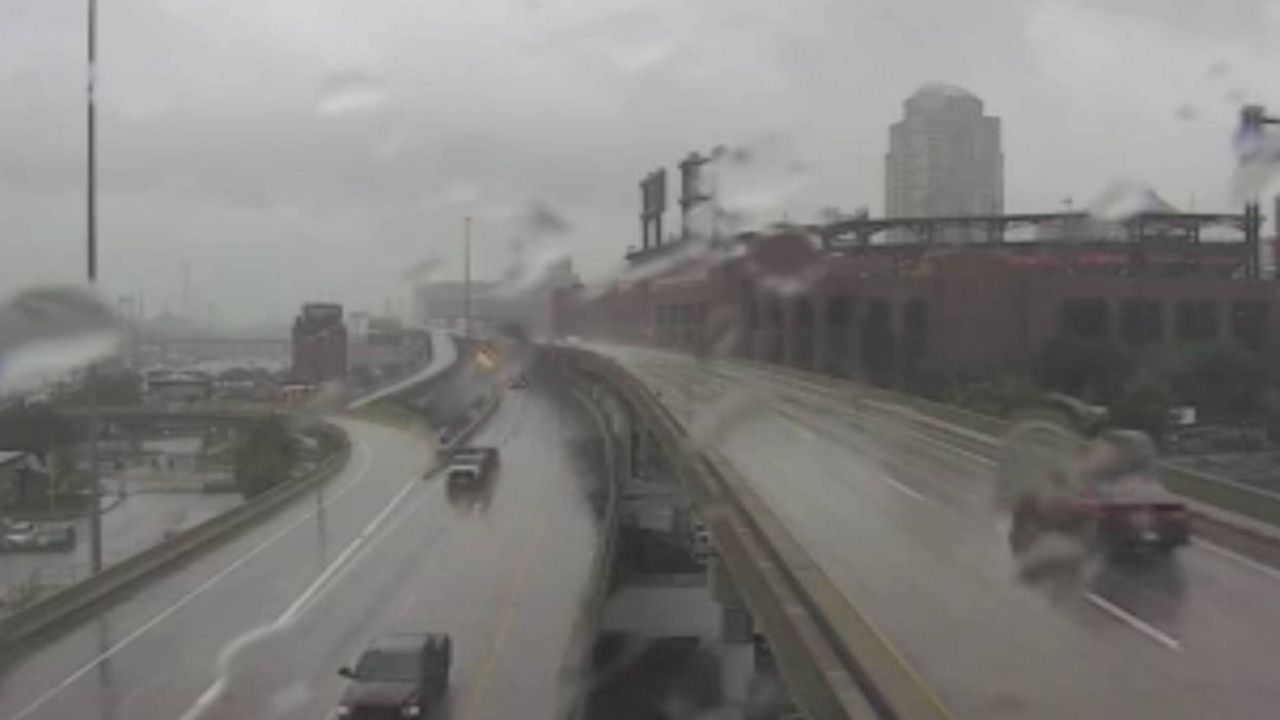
501,569
989,646
1217,610
975,549
1200,621
1205,601
160,642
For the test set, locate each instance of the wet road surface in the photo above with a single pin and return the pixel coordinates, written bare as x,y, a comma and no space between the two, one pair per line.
378,550
906,526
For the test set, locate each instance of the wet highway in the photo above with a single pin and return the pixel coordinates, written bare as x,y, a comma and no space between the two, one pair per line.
258,627
907,528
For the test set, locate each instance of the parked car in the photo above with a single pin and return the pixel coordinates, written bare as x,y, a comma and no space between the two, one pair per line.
55,537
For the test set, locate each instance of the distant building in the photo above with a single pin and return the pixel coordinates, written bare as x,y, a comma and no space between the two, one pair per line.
319,344
178,388
944,159
526,301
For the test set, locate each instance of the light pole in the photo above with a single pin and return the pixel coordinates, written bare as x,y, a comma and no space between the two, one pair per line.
1250,142
466,277
91,241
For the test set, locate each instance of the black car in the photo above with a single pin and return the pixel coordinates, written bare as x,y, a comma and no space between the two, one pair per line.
398,676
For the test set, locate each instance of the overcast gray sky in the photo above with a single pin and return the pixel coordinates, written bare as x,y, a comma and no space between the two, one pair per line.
316,149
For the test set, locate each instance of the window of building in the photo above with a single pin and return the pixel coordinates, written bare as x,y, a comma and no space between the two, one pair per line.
1248,323
1197,320
1085,318
1142,321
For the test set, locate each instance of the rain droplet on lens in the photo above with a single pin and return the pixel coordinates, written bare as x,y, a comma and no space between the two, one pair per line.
1219,68
51,330
424,268
545,220
350,91
1186,111
1122,200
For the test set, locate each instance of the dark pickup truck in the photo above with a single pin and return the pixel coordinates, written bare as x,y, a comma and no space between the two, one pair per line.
470,465
1131,515
398,676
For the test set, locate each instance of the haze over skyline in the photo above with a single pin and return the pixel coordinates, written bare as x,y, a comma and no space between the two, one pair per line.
299,150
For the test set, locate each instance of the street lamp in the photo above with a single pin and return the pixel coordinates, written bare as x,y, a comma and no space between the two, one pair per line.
1252,148
466,277
91,242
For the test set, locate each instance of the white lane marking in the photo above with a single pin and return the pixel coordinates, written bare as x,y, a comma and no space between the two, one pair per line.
1268,570
903,487
1133,621
898,485
227,655
193,594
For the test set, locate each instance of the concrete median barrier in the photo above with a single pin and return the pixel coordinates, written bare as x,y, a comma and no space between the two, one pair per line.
833,660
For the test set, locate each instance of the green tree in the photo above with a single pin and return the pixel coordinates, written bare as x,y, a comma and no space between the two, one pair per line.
1144,405
1095,370
265,456
33,428
121,387
1221,379
1270,406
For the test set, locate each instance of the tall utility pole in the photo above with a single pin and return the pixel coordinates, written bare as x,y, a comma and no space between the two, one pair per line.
1253,122
91,241
466,277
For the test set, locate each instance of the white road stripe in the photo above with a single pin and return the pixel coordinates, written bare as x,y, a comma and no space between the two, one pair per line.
286,618
193,594
795,419
1268,570
1134,621
903,487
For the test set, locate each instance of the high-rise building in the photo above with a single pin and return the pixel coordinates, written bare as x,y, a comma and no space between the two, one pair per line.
319,344
944,159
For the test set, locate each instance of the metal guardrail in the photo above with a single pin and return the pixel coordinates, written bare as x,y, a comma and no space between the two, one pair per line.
833,660
132,571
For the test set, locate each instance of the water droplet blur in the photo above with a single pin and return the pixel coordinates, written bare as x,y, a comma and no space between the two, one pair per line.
1257,154
1186,111
48,331
713,420
542,219
1122,200
1234,96
532,267
289,700
751,184
424,269
1219,68
351,91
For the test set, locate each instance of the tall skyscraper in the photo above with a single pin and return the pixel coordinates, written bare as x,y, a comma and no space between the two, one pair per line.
944,159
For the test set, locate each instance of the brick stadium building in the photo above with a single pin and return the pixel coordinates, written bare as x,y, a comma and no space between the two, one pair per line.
834,300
